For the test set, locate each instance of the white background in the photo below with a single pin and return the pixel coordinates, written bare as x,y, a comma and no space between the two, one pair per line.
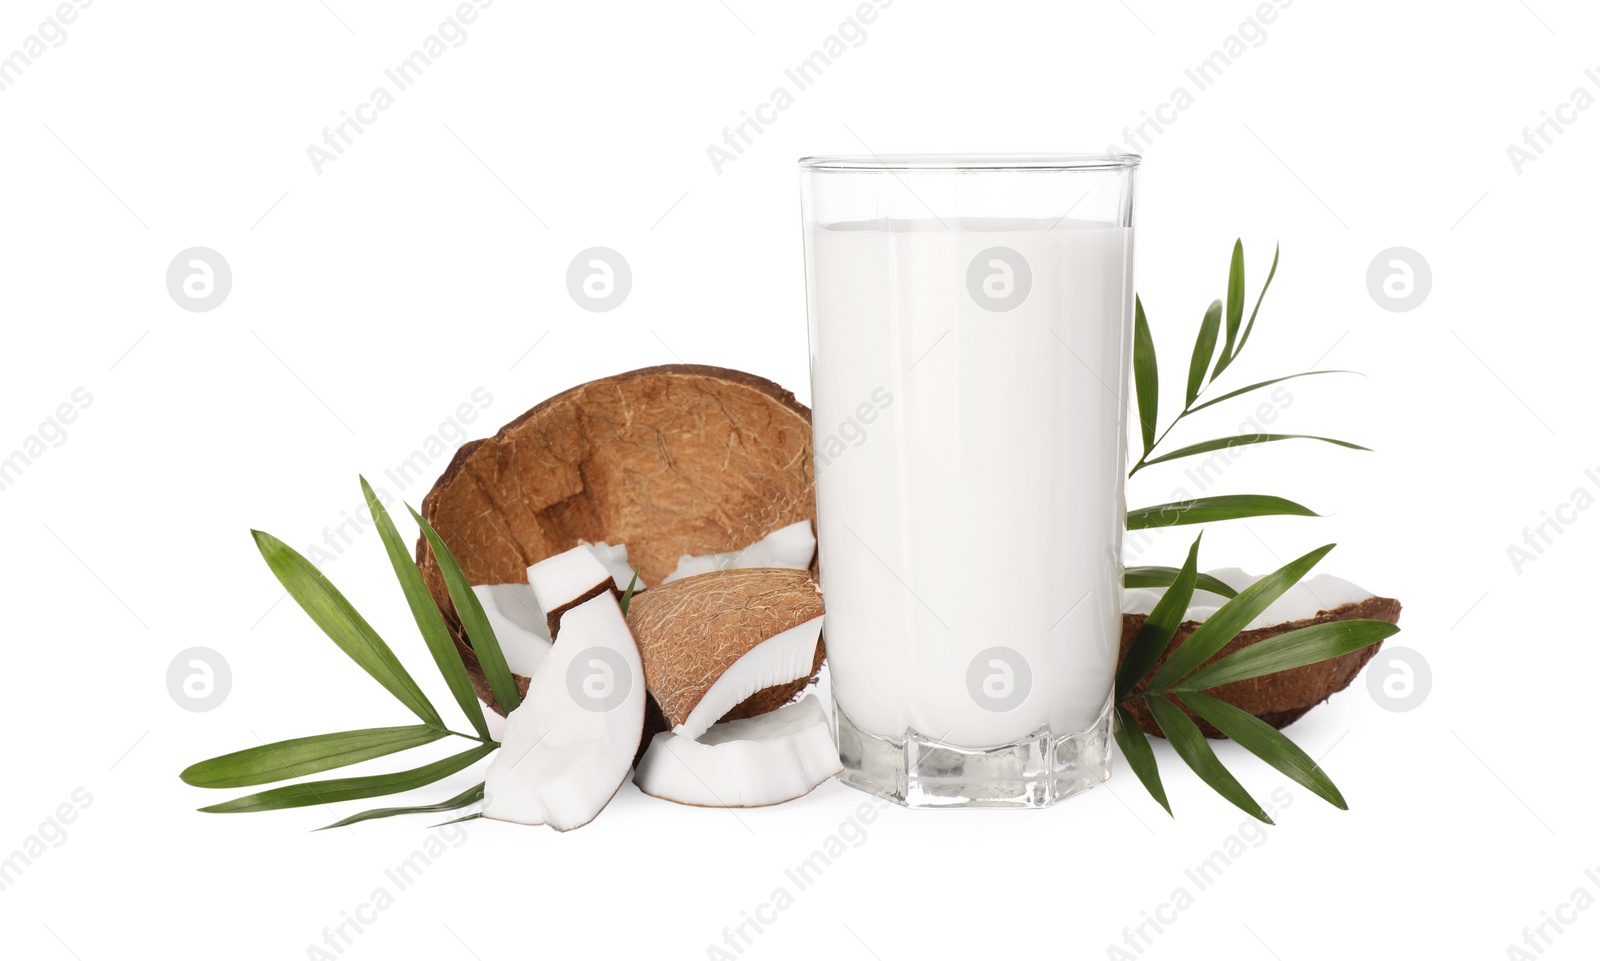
372,299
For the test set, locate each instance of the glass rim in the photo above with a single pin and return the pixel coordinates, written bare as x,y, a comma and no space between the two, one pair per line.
963,163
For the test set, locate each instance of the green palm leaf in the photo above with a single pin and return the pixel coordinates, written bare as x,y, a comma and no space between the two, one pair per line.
1159,627
1158,576
1146,380
1205,345
1136,748
330,611
1235,307
471,795
1204,510
627,595
303,756
1259,298
1242,440
1308,645
426,613
1185,737
351,788
1231,618
1266,383
1267,743
473,621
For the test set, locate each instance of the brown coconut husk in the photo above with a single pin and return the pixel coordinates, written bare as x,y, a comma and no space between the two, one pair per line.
672,460
1279,699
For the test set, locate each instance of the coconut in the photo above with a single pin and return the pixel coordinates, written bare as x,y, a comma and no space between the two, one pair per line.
671,461
568,747
757,761
693,634
1279,699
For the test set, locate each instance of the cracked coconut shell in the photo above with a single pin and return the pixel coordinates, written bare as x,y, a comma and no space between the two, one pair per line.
1279,699
673,460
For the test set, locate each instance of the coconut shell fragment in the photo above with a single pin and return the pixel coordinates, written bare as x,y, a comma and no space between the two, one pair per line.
673,460
1283,698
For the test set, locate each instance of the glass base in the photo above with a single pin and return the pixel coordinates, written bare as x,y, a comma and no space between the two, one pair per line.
919,772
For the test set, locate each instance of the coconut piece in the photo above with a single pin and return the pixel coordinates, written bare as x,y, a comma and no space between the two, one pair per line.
780,659
792,547
756,761
568,747
567,580
518,622
673,460
693,632
1283,698
615,559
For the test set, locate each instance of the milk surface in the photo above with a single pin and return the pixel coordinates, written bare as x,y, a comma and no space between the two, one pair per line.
969,471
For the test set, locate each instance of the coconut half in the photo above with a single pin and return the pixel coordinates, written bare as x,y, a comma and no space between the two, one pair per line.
673,460
792,547
1283,698
693,633
568,747
753,762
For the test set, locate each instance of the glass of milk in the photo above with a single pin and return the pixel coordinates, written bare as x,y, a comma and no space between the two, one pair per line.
970,330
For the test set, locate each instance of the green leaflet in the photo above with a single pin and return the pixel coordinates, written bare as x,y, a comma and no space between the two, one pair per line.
343,625
1159,627
351,788
1186,739
1223,625
1205,344
627,595
471,795
1265,383
303,756
1235,309
1157,576
1243,338
1146,379
473,621
1242,440
1264,741
1204,510
1308,645
426,613
1136,749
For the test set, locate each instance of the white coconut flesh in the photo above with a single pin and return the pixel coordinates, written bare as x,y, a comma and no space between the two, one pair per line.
789,547
767,759
568,747
566,578
516,613
1324,592
784,657
518,622
614,557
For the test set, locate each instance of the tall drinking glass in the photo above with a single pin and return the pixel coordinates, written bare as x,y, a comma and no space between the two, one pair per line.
970,329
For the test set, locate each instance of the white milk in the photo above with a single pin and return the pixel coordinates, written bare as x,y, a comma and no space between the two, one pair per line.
969,474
